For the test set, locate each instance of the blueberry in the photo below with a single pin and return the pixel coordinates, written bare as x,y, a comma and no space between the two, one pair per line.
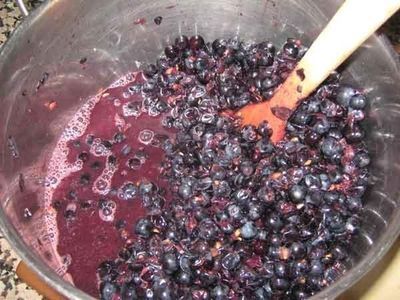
298,250
316,268
196,42
291,49
220,292
265,196
297,193
344,94
111,160
354,204
300,295
171,52
150,70
335,222
134,163
129,191
230,261
208,230
90,139
249,133
217,172
262,294
189,63
248,230
265,146
143,228
203,77
322,126
234,211
184,278
170,263
200,64
165,294
256,210
108,291
107,144
280,269
268,83
301,118
354,134
219,47
158,20
362,160
185,191
242,195
221,188
325,182
331,197
247,168
280,284
335,176
314,197
312,138
358,101
274,221
264,129
203,184
145,187
331,147
182,42
119,137
128,292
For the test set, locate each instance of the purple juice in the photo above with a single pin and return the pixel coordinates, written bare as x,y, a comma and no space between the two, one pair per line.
109,144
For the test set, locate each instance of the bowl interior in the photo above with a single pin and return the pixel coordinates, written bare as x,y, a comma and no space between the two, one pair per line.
59,34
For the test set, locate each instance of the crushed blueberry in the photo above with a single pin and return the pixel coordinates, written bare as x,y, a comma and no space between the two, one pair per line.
227,214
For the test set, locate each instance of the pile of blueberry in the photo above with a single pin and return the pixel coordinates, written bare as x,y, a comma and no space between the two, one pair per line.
247,219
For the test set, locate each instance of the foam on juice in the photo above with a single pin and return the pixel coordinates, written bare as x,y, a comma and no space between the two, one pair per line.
84,195
61,167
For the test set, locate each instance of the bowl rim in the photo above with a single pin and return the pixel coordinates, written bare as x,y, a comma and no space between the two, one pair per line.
48,276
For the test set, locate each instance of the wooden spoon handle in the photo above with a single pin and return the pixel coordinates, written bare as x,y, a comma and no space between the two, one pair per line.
353,23
33,280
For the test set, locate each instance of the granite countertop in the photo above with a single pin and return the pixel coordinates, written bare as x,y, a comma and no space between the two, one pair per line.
11,286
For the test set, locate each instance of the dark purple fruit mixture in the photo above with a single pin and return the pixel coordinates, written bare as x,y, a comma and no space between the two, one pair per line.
201,208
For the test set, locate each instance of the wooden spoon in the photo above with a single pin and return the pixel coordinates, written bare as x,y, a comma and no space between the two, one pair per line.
352,24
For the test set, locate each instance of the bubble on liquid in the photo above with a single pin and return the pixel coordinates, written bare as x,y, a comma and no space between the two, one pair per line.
124,80
59,167
153,111
102,185
67,260
27,213
97,148
50,180
146,136
117,102
107,211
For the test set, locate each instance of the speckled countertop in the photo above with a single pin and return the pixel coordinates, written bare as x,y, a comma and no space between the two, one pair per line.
11,288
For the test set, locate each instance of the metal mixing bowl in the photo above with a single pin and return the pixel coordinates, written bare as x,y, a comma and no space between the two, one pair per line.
61,32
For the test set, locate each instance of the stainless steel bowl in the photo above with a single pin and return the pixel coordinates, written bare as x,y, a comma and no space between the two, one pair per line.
61,32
